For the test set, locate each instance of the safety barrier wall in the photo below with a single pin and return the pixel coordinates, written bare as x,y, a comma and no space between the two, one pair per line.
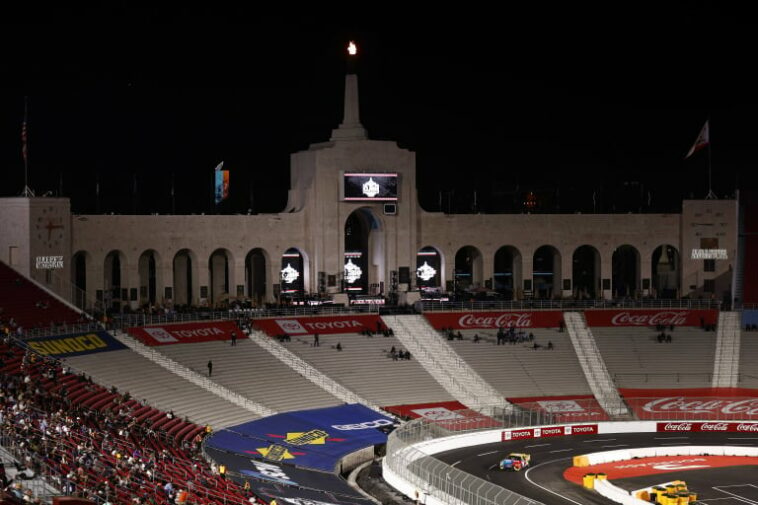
411,468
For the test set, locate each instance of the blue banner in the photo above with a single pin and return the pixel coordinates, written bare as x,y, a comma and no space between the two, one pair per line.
76,344
749,317
315,439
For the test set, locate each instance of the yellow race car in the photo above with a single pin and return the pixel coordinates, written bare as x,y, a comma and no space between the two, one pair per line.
515,461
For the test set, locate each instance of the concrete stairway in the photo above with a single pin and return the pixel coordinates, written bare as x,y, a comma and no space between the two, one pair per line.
592,363
444,364
726,365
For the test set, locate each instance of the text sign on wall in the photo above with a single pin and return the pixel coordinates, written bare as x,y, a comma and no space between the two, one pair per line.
49,262
709,254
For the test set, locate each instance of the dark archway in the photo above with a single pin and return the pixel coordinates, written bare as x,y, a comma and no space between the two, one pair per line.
113,293
666,270
468,268
184,266
546,272
363,271
256,263
148,277
625,271
219,264
507,272
80,262
585,272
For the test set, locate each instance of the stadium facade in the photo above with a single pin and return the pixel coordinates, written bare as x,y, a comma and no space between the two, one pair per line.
353,224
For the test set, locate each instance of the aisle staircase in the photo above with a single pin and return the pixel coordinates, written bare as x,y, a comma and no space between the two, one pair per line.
726,366
455,375
592,363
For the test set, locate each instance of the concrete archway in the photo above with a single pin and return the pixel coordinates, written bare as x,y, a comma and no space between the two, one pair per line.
666,271
546,272
430,266
256,263
185,277
148,267
364,263
585,272
115,292
507,272
80,262
625,271
468,268
220,274
293,276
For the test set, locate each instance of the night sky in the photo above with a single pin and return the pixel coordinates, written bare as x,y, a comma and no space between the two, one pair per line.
562,103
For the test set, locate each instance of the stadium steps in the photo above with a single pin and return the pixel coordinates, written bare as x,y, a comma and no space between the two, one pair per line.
636,360
310,372
520,370
726,364
364,366
444,364
597,375
251,373
159,387
748,377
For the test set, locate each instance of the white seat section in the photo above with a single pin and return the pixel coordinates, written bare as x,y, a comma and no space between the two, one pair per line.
252,372
635,359
749,359
364,367
519,370
161,388
726,365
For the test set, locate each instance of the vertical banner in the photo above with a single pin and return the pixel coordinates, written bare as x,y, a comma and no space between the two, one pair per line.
221,187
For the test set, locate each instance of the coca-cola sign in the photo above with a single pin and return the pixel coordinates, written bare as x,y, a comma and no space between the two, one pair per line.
495,319
707,427
716,407
647,317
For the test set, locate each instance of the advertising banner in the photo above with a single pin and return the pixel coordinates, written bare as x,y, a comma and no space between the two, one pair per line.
551,431
453,416
564,409
76,344
325,325
182,333
291,496
715,426
315,439
650,317
495,319
672,404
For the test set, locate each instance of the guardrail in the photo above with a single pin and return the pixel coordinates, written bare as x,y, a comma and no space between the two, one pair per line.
434,306
406,458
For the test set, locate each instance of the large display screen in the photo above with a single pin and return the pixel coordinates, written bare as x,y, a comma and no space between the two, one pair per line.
362,187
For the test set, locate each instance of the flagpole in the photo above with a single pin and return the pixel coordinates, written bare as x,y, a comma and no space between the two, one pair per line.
711,195
27,192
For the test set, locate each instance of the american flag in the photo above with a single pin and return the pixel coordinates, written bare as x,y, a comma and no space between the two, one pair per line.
23,140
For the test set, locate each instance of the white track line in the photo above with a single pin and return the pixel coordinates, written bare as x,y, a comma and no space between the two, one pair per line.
599,440
535,445
562,450
487,453
526,476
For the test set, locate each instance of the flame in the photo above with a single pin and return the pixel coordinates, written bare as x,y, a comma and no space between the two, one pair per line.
352,49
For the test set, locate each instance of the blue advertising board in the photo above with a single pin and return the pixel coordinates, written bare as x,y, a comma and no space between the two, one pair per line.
749,317
76,344
315,439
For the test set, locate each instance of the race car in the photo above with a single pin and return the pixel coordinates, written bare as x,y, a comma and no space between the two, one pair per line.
515,461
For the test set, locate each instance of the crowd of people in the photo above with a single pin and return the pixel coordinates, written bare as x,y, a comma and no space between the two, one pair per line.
107,453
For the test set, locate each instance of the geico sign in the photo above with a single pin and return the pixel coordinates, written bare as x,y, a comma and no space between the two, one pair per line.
378,423
665,318
507,320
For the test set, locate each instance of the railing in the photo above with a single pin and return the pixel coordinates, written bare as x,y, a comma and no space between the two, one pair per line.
665,377
452,486
432,306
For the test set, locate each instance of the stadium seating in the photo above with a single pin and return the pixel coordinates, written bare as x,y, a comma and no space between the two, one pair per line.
29,305
749,362
252,372
519,370
160,388
635,359
364,366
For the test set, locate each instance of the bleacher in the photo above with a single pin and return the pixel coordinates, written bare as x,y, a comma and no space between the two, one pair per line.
30,306
748,377
364,366
252,372
635,359
520,370
160,387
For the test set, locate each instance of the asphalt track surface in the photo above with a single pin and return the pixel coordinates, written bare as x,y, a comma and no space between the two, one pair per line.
550,457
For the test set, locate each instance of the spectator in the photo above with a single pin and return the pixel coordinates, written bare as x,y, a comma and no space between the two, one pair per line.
210,368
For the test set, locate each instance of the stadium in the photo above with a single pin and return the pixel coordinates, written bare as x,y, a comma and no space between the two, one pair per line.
356,348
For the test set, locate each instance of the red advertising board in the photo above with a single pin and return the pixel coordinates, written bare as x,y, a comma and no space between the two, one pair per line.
495,319
453,416
565,409
706,427
185,332
650,317
728,404
324,325
551,431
